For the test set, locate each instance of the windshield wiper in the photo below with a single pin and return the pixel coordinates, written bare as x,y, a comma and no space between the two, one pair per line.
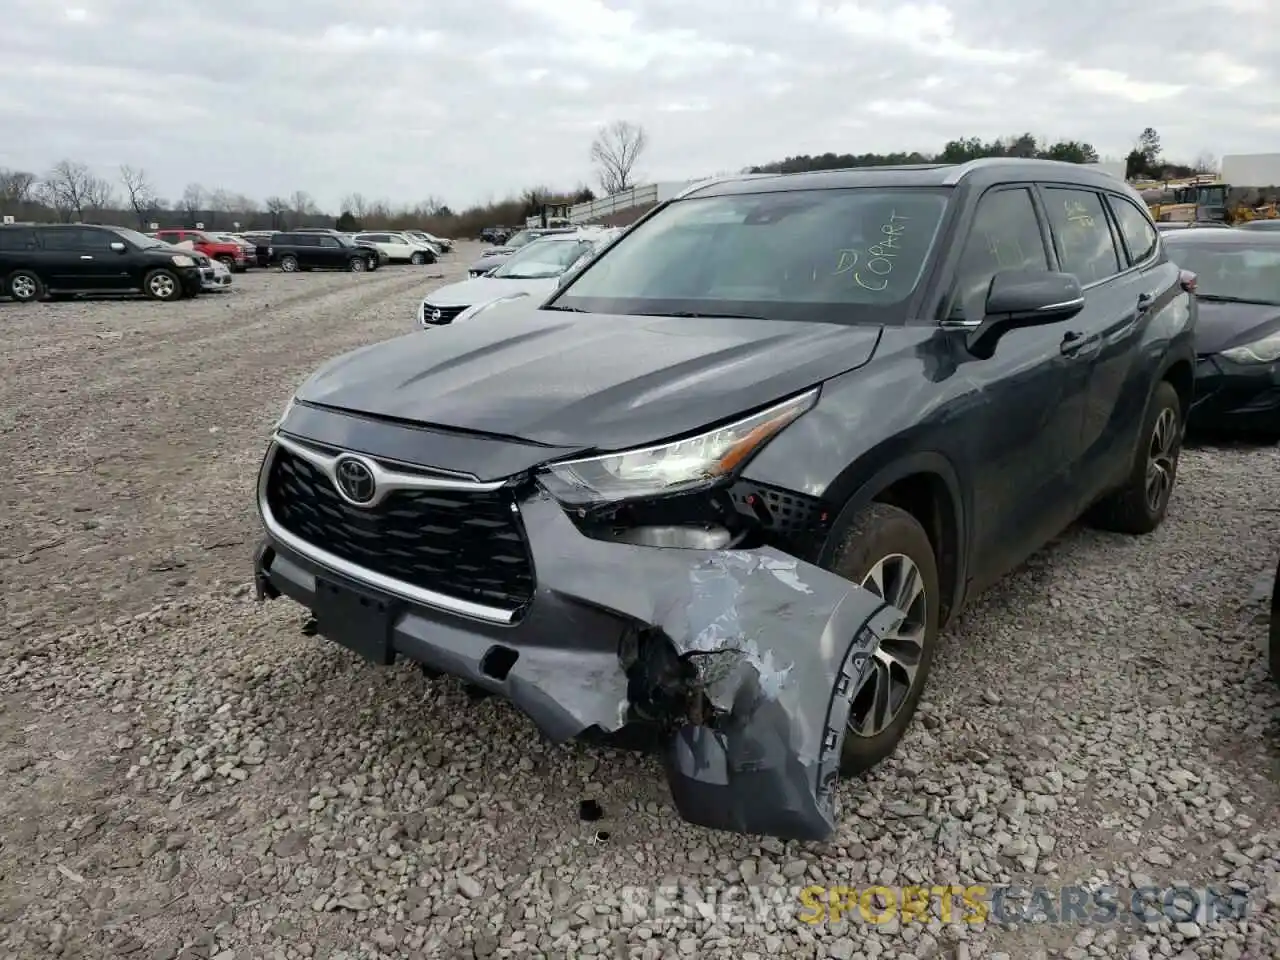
553,306
1223,298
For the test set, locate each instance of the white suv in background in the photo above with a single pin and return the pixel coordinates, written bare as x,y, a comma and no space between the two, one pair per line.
442,244
399,247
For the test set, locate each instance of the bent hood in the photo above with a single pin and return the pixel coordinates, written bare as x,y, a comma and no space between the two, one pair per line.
587,380
479,290
1223,325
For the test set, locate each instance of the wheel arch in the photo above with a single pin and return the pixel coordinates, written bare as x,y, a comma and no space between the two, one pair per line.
926,485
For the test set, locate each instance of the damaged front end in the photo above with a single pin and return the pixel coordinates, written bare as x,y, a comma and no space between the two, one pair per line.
744,656
751,672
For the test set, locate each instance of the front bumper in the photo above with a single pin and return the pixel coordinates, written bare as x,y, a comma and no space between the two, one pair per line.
774,647
212,281
1236,397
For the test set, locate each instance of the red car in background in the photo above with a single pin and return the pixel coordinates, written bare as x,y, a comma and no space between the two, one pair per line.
236,255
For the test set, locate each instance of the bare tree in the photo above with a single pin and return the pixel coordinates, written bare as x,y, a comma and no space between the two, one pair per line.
614,153
64,189
192,201
219,207
142,195
1206,162
277,207
99,195
356,205
16,188
302,204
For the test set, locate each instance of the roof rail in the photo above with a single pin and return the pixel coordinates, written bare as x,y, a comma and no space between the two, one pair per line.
728,178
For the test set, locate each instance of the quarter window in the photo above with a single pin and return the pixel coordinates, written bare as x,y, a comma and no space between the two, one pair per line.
329,242
1005,236
1138,233
1086,246
12,238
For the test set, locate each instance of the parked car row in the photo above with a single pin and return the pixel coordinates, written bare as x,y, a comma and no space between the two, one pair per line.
319,248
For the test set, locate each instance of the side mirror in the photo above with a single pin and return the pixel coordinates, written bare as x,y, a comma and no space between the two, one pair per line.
1024,298
118,247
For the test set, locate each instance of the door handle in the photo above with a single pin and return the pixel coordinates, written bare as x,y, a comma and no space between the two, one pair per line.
1145,302
85,256
1075,344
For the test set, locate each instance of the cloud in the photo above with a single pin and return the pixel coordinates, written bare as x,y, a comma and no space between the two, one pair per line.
469,101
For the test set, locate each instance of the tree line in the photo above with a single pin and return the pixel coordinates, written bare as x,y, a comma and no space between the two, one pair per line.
72,192
1146,160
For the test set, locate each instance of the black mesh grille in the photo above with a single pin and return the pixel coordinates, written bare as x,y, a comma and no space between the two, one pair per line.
446,313
468,545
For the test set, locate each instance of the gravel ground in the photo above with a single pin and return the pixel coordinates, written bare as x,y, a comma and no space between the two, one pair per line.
186,773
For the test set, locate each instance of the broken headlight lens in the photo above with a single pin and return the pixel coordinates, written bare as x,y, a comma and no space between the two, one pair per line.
1266,350
677,467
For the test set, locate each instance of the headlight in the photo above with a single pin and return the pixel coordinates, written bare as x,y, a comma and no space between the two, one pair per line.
678,467
1266,350
182,260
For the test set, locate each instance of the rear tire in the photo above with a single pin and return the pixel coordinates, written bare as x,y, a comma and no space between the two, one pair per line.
24,286
289,263
887,551
229,263
1140,505
163,285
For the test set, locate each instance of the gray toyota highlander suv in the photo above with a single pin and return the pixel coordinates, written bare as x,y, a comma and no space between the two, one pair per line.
730,480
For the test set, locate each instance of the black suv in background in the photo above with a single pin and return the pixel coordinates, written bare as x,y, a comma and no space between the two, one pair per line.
39,259
320,250
734,476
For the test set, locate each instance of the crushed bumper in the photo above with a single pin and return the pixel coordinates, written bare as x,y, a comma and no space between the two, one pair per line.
769,649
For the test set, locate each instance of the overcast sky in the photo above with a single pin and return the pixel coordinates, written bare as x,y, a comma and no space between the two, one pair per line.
469,100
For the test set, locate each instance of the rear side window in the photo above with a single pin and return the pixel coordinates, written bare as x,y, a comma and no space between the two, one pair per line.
1136,230
64,239
328,242
1085,244
1005,236
13,239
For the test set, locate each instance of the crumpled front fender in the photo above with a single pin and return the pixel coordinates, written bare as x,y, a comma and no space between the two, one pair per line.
778,646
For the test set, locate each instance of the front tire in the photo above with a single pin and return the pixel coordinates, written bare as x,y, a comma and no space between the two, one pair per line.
418,259
24,286
229,263
887,551
289,264
162,285
1140,505
359,265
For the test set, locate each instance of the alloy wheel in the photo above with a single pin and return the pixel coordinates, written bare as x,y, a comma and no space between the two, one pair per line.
1162,459
162,286
23,288
891,672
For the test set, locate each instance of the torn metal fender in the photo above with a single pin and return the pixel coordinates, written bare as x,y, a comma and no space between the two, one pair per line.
780,645
784,670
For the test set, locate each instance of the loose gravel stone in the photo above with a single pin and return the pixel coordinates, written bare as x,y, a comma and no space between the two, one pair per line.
187,773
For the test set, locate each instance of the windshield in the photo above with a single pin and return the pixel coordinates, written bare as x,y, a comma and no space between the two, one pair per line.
1232,272
520,239
807,254
542,259
139,240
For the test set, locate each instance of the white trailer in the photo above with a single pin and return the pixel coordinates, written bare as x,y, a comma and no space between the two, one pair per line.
1251,169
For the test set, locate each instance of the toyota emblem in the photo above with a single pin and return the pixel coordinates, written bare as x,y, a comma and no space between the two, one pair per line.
355,480
436,315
